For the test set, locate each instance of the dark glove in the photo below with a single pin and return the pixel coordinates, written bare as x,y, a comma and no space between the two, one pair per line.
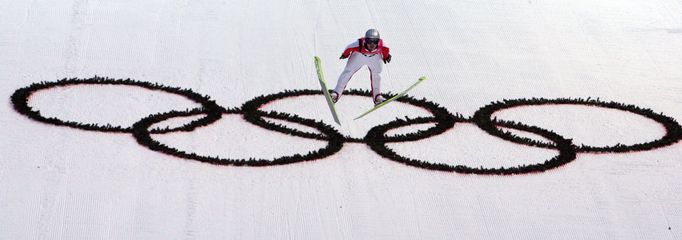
388,59
343,57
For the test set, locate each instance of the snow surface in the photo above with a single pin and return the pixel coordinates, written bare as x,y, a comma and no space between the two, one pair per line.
65,183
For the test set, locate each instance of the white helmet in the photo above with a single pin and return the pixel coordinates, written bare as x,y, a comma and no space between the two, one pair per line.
372,33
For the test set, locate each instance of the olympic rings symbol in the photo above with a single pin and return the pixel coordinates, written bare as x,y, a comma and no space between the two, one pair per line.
376,138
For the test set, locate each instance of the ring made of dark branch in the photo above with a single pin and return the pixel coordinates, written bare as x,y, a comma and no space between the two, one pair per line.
483,117
21,97
252,110
143,136
377,140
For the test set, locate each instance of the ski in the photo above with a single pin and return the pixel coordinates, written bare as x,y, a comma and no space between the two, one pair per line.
421,79
325,91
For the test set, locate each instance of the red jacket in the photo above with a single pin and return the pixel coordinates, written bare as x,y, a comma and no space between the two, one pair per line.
359,46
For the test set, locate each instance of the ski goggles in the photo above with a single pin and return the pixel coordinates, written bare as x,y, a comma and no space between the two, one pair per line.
372,41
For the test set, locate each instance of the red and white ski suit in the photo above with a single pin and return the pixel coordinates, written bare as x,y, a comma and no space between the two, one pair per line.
359,56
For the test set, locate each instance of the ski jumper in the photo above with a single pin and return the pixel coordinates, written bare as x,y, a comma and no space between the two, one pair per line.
359,56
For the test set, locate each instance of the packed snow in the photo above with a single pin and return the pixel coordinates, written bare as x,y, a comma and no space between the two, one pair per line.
60,182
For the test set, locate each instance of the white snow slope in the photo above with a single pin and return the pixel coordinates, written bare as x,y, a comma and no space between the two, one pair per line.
59,182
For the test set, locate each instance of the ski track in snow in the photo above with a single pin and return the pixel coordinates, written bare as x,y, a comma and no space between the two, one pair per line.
191,210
